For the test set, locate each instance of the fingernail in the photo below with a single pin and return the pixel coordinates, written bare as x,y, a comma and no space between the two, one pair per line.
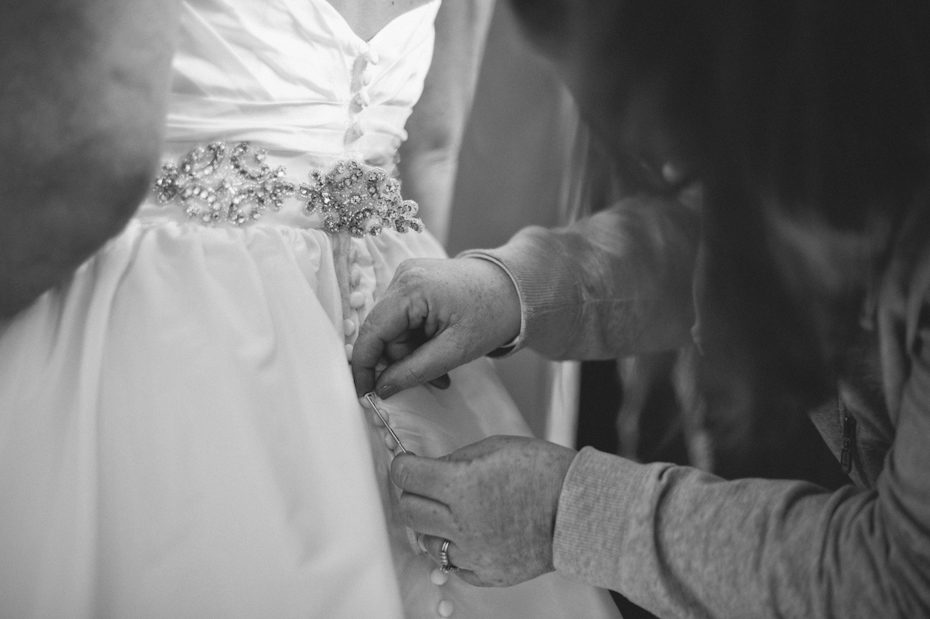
443,382
386,391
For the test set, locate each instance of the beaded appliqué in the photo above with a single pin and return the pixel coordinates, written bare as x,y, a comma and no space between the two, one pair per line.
359,199
217,183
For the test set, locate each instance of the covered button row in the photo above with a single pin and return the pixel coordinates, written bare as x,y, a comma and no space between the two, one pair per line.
445,607
357,300
369,53
361,99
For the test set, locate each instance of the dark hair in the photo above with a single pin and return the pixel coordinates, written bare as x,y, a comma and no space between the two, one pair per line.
622,48
805,115
821,129
820,105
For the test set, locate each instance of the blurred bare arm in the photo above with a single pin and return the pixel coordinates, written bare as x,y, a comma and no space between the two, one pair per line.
429,158
84,86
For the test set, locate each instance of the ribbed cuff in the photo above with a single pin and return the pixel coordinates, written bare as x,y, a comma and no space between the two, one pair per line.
517,342
545,283
595,513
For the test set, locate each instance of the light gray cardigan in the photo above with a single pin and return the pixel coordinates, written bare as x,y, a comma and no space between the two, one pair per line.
684,543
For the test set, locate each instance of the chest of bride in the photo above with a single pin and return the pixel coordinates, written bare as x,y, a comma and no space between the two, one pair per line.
293,77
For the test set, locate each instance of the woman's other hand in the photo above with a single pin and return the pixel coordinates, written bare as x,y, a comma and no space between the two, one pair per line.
495,501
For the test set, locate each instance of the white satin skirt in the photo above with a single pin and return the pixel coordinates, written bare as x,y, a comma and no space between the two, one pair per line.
180,437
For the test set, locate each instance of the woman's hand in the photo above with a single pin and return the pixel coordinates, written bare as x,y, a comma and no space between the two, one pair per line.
495,501
436,315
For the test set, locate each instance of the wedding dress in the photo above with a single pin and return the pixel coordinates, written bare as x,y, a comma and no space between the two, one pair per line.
179,432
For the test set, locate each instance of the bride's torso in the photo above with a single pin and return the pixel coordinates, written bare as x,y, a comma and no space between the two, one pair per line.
293,77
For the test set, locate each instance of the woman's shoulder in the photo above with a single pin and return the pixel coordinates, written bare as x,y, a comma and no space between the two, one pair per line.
903,302
907,275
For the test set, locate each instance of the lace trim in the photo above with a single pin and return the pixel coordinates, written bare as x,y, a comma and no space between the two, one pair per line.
218,183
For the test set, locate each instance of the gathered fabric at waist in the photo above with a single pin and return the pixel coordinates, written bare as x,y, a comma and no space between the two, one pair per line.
151,212
329,128
345,274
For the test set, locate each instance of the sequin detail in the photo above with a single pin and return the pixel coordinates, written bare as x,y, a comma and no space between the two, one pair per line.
218,183
359,199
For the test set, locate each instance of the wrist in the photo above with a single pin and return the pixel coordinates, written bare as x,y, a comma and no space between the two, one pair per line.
508,319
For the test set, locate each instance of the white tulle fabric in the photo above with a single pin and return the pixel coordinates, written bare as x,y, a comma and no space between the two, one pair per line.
179,434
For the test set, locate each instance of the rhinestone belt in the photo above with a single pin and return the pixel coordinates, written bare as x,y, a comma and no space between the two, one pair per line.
219,183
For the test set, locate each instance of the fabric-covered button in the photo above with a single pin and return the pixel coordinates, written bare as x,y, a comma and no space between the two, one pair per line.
357,300
355,276
389,441
364,260
348,326
378,422
353,133
438,578
370,54
445,608
349,350
362,99
375,420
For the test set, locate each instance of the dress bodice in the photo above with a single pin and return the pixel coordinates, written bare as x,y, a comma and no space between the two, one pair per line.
292,76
